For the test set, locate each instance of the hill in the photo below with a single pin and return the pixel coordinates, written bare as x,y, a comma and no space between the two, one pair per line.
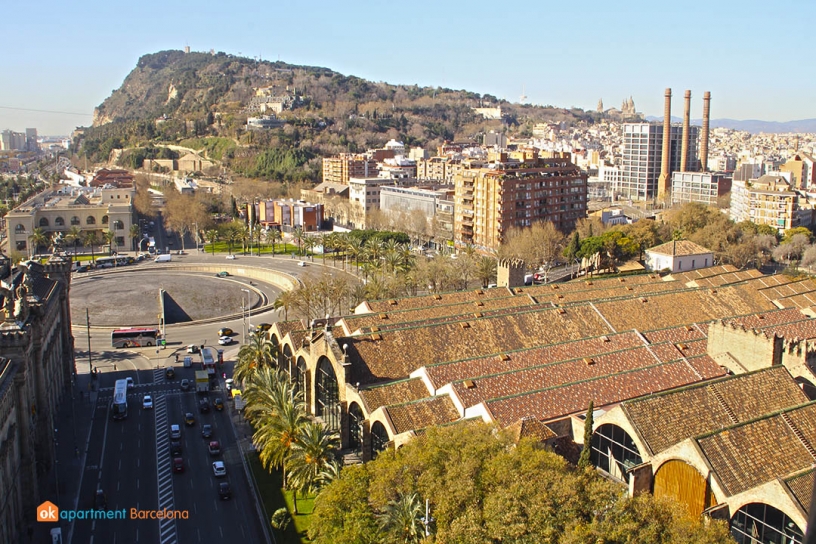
203,100
753,126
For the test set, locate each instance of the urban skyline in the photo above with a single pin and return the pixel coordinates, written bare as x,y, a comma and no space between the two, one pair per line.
597,52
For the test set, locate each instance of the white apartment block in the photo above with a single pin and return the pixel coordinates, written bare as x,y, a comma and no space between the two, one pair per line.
770,200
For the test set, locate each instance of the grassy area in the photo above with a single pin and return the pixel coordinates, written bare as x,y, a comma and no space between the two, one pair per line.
273,497
223,247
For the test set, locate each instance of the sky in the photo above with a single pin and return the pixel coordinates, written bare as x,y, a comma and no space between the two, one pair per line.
64,59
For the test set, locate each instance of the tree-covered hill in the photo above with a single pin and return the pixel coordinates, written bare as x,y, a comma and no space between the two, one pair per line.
172,96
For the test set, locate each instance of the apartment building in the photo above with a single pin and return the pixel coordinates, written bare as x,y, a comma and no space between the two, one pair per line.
491,201
703,187
345,166
290,214
439,169
364,196
770,200
58,211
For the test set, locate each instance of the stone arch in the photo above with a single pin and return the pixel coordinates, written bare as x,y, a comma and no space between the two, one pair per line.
327,394
118,225
379,438
90,220
760,522
59,221
683,483
43,222
105,219
19,229
356,419
302,378
614,452
74,220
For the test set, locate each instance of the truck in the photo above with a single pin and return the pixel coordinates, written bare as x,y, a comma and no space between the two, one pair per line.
239,401
163,259
202,382
208,361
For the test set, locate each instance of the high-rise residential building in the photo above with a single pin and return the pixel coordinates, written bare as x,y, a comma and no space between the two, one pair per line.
345,166
703,187
31,139
770,200
491,201
641,158
12,141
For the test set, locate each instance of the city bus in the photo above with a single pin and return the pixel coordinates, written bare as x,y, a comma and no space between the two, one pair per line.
110,262
134,338
119,403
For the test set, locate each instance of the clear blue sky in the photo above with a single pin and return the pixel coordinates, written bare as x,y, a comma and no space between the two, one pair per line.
753,56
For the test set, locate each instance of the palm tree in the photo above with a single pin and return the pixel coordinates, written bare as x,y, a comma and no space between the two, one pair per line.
233,234
355,250
74,236
486,270
277,412
260,352
212,237
90,239
309,242
285,300
109,236
273,235
38,238
402,518
312,452
134,233
298,235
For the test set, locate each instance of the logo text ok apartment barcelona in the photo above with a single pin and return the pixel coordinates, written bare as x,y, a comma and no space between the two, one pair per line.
48,512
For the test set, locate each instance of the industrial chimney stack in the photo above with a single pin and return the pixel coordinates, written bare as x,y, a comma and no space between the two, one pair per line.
704,135
664,182
686,122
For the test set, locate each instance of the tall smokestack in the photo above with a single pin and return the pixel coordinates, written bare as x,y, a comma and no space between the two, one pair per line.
664,182
686,123
704,135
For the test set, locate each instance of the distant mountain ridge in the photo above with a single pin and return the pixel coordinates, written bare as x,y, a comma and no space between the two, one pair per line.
754,126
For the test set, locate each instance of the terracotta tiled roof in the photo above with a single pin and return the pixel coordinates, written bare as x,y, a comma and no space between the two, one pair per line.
685,333
285,327
424,301
666,419
729,278
395,354
801,486
679,248
740,455
422,413
560,401
393,393
706,367
768,319
530,427
694,275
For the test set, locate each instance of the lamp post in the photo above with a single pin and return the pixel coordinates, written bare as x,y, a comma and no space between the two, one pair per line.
249,309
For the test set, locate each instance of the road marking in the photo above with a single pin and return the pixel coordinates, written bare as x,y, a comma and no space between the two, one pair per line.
164,471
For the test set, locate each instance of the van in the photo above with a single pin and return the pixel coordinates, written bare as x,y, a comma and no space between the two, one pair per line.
166,258
188,362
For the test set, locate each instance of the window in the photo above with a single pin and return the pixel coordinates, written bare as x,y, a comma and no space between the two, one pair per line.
328,398
356,419
758,522
104,219
43,222
379,439
118,225
59,222
75,220
614,451
19,229
90,220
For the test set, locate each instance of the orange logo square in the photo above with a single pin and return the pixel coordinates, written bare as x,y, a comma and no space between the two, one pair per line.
48,512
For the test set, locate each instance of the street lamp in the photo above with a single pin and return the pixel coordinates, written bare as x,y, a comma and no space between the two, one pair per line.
249,307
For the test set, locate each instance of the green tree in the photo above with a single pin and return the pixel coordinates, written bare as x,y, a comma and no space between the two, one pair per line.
91,239
312,452
109,236
298,236
342,513
574,245
273,235
259,352
401,519
135,234
584,461
74,237
212,237
38,238
285,300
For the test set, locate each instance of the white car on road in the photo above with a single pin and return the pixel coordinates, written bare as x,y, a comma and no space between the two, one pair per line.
219,469
225,341
147,402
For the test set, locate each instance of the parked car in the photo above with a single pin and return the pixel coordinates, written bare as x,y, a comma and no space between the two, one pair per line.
192,348
189,419
224,341
225,331
223,274
301,263
178,464
231,257
219,470
218,404
214,447
169,373
147,402
185,384
175,432
224,491
206,431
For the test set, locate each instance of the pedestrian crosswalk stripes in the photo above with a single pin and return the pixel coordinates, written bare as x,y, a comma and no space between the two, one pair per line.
167,527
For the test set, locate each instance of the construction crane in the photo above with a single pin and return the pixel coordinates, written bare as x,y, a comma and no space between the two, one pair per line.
523,97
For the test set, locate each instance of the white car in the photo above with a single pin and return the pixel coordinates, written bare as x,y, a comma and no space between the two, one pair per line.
225,341
219,469
192,348
228,383
231,257
147,402
129,383
301,263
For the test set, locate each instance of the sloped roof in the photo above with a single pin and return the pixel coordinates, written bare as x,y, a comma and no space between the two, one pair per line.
801,487
666,419
393,393
679,248
759,451
530,427
422,413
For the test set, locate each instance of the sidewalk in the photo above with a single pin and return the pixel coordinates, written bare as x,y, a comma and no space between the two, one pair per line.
72,422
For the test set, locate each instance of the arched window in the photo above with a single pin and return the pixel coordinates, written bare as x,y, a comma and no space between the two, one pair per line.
614,451
90,220
285,358
19,229
328,397
59,222
118,225
43,222
379,439
75,220
757,522
355,420
104,219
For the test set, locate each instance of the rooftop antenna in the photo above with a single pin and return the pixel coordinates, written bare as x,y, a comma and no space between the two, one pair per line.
523,97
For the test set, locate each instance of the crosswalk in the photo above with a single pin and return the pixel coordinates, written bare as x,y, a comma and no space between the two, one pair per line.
167,527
